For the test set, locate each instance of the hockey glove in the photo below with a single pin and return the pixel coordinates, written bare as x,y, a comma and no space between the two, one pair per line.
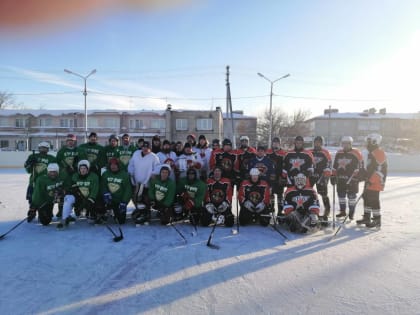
31,214
313,220
249,205
30,162
260,207
210,208
122,208
223,207
107,198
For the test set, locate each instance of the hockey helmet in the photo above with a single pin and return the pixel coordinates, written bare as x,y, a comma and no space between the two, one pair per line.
244,138
43,144
300,180
83,163
227,142
111,137
254,172
347,139
374,139
165,167
52,167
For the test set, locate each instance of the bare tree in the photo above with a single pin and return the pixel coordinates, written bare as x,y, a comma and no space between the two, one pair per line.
7,100
284,126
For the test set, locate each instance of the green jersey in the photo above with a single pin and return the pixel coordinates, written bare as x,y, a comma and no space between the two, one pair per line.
117,184
88,184
39,165
67,159
45,190
163,192
196,190
94,153
111,152
126,152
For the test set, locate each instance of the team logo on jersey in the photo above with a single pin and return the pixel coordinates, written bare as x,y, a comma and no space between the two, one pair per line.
255,197
300,201
342,163
84,191
262,168
69,160
296,163
113,187
226,164
125,159
217,196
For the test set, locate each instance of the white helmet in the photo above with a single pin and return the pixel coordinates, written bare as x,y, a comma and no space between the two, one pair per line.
300,180
52,167
244,138
83,163
43,144
374,139
254,171
348,139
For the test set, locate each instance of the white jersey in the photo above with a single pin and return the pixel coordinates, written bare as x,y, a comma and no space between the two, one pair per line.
169,159
142,167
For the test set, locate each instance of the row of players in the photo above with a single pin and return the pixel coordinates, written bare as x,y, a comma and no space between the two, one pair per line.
298,172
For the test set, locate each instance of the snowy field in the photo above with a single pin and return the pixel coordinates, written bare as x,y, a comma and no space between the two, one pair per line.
82,271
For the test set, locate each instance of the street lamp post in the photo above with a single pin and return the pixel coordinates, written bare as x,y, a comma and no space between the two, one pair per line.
270,133
84,93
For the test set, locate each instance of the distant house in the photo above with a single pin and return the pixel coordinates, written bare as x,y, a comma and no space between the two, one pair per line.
392,126
24,129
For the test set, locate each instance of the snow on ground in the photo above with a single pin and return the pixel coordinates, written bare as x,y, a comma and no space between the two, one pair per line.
82,271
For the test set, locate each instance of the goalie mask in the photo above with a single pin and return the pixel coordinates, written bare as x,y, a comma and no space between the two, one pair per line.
300,181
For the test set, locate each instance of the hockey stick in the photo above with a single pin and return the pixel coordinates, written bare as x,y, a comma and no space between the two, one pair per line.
333,207
347,216
274,226
211,235
116,238
178,231
3,235
195,232
237,210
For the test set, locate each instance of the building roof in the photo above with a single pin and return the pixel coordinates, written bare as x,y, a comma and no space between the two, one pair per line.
60,112
367,116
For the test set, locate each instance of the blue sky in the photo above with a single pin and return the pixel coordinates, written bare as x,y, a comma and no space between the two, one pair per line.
351,55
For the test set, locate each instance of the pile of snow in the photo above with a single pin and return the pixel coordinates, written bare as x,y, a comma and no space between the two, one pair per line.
82,271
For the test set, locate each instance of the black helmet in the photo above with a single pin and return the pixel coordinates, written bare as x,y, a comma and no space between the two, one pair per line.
227,142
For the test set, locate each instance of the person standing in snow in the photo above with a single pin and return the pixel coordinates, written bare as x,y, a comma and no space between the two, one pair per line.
141,168
375,176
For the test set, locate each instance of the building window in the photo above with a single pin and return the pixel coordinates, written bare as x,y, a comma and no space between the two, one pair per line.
3,122
45,122
181,124
21,122
111,123
68,123
4,143
136,124
92,122
157,123
204,124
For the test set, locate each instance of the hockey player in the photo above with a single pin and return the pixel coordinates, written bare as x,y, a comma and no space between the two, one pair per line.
191,191
141,168
67,158
112,149
186,161
322,173
126,150
264,164
116,189
375,177
298,160
167,156
48,191
348,163
203,155
36,165
244,155
94,153
218,200
162,194
254,199
226,159
301,206
81,195
276,154
156,144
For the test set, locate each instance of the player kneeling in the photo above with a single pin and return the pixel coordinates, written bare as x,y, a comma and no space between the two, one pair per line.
254,198
301,206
